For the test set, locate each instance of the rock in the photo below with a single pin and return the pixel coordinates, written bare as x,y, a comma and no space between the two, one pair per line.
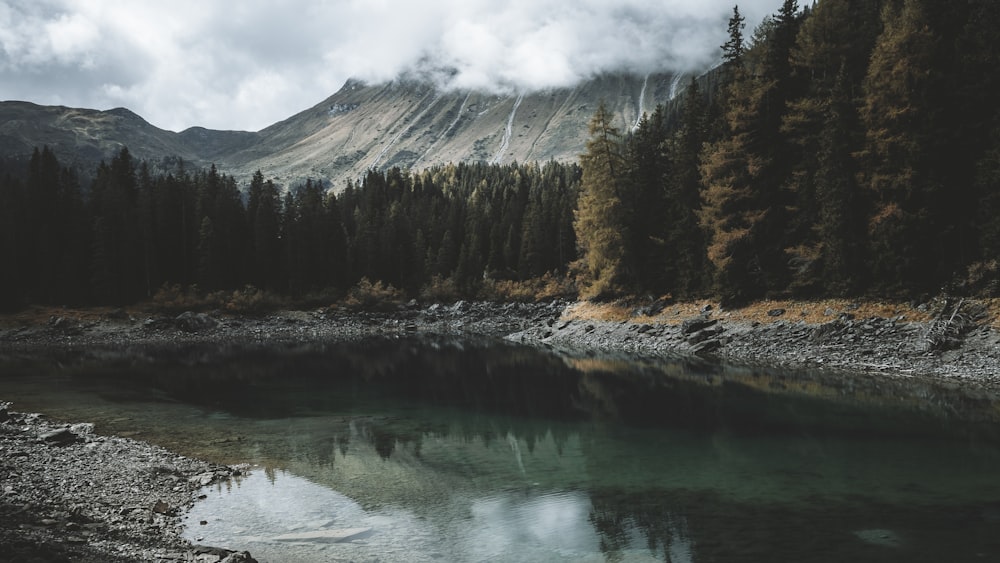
195,322
653,309
60,437
699,323
644,329
64,324
337,535
706,346
704,334
239,557
82,429
161,507
776,312
203,479
828,312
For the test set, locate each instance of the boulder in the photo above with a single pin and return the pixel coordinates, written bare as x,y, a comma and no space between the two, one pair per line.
59,437
194,322
691,326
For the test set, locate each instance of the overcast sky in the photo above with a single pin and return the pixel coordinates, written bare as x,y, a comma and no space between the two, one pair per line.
247,64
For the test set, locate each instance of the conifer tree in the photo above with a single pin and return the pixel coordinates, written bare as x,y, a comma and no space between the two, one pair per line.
907,231
600,225
686,267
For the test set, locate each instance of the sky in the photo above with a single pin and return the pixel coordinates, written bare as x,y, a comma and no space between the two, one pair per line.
247,64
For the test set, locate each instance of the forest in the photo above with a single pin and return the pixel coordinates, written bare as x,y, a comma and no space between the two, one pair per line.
845,148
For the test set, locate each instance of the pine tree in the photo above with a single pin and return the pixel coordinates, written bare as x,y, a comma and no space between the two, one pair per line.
644,203
117,243
686,267
734,47
840,226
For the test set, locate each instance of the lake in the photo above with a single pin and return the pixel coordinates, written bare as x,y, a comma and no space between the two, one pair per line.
432,449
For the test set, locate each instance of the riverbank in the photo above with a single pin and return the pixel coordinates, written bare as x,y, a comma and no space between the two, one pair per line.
954,341
68,494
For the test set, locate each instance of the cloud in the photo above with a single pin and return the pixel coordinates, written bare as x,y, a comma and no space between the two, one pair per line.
246,65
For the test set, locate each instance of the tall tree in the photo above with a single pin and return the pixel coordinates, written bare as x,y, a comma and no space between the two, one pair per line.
912,247
686,267
601,226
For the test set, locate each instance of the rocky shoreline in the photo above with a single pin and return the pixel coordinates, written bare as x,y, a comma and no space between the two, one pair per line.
68,494
956,346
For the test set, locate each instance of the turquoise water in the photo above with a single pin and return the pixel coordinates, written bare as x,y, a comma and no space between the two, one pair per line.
443,450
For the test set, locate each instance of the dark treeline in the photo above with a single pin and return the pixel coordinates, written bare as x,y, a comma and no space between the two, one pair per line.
448,230
848,148
853,147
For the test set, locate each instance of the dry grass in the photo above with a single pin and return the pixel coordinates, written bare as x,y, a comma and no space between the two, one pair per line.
809,311
993,306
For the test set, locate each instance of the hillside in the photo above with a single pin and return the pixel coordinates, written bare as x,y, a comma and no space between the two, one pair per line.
405,123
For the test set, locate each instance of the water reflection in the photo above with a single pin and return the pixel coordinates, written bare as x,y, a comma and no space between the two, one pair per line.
447,450
280,516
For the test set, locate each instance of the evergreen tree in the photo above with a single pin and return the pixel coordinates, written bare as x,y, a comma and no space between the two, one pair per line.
644,202
840,227
911,248
685,267
264,216
118,273
734,47
601,226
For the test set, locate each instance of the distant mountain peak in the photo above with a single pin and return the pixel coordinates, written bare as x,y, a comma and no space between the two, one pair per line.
410,122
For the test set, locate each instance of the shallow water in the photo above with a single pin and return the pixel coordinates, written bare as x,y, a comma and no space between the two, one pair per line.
421,450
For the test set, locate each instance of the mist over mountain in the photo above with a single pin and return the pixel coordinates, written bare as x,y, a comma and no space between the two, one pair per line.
410,122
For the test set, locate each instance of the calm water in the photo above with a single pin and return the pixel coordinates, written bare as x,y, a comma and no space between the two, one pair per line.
475,451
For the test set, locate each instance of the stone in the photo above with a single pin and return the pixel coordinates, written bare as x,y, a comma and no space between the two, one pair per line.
195,322
335,535
706,347
776,312
704,334
691,326
161,507
82,429
60,437
238,557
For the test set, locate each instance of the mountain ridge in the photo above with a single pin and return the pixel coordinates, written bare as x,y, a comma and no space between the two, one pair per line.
407,123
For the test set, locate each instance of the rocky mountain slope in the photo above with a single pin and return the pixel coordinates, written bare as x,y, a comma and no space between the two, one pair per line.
405,123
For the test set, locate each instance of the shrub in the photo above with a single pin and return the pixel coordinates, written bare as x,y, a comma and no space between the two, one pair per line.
373,296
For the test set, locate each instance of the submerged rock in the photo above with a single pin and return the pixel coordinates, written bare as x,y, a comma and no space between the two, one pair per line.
335,536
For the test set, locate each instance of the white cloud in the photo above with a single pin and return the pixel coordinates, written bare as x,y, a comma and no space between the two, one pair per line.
246,65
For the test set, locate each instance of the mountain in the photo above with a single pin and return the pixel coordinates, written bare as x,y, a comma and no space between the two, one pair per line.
407,123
